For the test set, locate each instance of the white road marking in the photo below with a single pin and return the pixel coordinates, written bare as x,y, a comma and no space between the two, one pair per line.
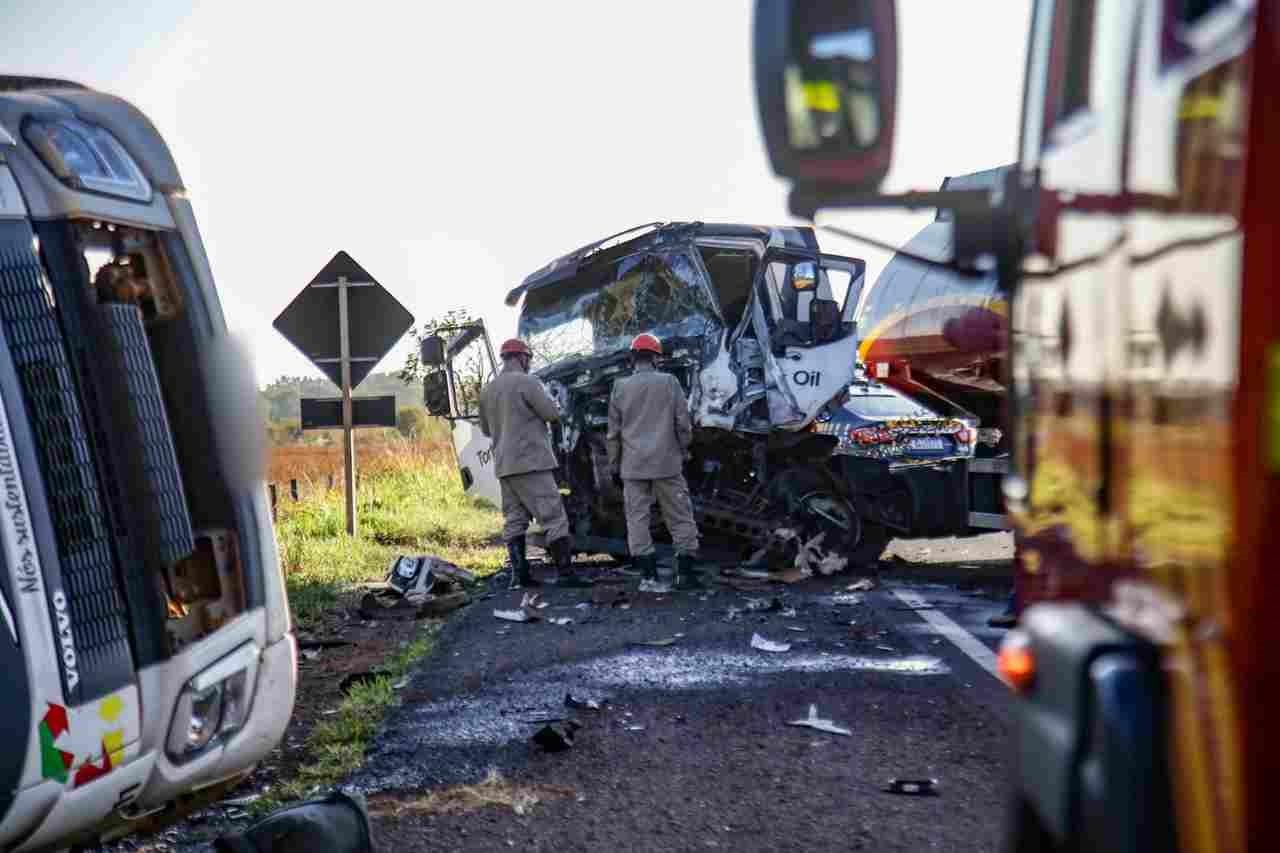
975,649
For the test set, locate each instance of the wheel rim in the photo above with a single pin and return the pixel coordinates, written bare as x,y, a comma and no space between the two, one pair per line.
833,516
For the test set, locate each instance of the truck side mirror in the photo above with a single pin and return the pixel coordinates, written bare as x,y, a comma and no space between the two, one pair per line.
826,88
435,394
431,351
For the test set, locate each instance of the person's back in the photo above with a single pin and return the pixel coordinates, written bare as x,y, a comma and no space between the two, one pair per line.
651,409
514,412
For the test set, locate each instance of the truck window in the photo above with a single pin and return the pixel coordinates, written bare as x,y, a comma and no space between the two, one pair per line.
1077,56
732,271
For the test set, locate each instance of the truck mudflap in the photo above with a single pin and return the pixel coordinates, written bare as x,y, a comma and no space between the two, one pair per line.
1090,771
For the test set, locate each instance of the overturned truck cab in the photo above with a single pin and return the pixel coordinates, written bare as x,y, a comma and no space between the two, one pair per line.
756,323
146,656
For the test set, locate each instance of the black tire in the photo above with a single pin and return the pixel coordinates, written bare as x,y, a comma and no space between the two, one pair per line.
814,504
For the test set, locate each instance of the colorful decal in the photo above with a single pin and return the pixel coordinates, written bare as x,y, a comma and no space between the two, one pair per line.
54,762
90,740
891,438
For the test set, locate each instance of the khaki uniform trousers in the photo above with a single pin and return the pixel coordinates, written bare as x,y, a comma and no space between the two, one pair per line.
677,511
528,496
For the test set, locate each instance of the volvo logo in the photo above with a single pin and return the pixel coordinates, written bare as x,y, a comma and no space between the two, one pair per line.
65,640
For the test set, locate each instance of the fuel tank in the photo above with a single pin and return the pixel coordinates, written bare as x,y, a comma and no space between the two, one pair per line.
950,328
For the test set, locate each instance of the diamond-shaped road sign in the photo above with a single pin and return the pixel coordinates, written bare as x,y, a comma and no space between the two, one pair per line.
375,320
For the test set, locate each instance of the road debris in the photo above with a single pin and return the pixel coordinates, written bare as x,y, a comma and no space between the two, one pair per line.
861,585
848,599
789,613
766,645
240,802
560,620
556,737
886,648
760,605
666,641
657,587
813,721
530,604
310,654
796,628
913,787
339,823
634,727
580,704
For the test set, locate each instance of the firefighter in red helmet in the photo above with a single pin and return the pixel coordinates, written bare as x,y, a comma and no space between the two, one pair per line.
648,441
515,410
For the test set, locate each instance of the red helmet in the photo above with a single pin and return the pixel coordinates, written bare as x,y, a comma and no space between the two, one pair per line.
514,346
646,343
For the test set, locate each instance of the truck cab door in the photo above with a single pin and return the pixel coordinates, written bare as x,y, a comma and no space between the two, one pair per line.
460,362
804,312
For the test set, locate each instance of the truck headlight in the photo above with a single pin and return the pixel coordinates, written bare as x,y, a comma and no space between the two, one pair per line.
214,704
86,157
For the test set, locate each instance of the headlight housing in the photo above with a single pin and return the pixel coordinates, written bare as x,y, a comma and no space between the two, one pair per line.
86,157
214,705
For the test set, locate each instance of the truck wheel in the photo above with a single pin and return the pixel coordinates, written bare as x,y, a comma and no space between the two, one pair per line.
870,546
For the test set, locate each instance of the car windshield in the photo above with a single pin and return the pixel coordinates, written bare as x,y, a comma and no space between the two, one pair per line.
886,406
600,311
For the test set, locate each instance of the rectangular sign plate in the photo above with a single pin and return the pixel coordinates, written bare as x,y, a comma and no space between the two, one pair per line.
326,412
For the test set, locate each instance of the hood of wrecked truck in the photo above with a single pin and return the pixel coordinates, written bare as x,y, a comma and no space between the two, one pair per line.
878,422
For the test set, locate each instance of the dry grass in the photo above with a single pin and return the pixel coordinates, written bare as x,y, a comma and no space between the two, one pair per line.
493,790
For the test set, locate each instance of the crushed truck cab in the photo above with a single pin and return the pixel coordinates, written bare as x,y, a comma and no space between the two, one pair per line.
757,325
146,654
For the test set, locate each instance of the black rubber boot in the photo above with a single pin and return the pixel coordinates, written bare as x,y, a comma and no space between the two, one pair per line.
685,576
562,555
520,575
648,566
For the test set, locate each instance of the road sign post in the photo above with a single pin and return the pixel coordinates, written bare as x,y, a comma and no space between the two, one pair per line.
345,322
348,430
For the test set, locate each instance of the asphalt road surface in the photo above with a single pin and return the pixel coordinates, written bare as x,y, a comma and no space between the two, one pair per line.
691,747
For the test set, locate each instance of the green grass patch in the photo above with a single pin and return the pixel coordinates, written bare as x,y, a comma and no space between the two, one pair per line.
337,743
412,508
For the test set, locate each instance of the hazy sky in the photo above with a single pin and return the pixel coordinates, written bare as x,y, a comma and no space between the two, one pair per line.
452,148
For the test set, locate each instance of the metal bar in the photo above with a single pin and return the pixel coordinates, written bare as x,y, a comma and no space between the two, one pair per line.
348,434
338,360
342,282
989,520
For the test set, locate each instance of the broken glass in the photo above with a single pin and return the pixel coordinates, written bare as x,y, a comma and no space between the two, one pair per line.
599,312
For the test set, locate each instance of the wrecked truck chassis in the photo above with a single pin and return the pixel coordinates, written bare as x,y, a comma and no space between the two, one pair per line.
744,487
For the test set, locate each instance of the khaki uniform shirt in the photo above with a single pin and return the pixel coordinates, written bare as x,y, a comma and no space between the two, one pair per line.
514,411
649,426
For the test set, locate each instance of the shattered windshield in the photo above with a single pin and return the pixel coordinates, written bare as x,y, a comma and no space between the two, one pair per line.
600,311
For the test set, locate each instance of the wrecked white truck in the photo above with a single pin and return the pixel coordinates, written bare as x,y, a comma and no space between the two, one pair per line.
756,323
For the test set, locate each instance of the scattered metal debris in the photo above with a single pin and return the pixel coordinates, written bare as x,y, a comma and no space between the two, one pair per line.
886,648
560,620
848,599
760,605
556,737
634,727
861,585
240,802
913,787
813,721
796,628
767,645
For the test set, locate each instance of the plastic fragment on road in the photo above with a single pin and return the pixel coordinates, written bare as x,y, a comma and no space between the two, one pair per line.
831,563
848,599
766,645
861,585
516,615
796,628
821,724
655,586
560,620
634,727
580,704
913,787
